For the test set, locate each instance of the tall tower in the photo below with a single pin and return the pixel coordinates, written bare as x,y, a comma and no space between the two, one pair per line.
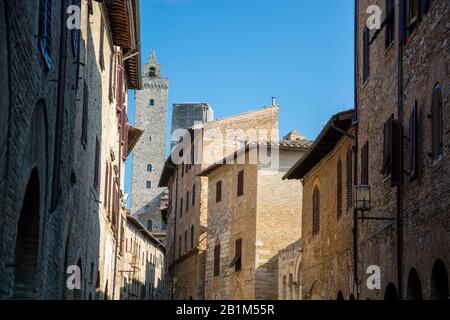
150,107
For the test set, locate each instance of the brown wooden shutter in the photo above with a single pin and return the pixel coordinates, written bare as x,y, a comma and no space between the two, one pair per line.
397,154
365,164
193,195
111,75
187,201
219,191
339,192
414,143
240,186
238,264
97,165
217,260
436,123
102,44
349,174
316,211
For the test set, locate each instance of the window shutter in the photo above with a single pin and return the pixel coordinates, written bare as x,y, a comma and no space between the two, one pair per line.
424,6
97,165
105,200
193,195
397,154
192,237
219,191
414,143
436,123
181,207
111,72
84,125
217,260
187,201
102,44
316,211
349,174
119,89
238,264
110,190
366,54
365,164
339,188
240,187
387,146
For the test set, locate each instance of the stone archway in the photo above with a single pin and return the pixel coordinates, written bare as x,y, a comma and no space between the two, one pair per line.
340,296
391,292
27,242
439,281
414,286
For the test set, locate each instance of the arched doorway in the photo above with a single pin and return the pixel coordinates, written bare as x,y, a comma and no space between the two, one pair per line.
439,281
27,242
352,297
340,296
391,292
414,287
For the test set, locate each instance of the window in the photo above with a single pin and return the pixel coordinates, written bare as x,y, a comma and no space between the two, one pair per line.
102,44
152,102
349,178
240,186
237,260
111,76
185,241
390,23
182,169
339,188
149,168
181,208
412,14
84,124
217,259
436,124
316,211
152,72
366,54
45,31
179,246
97,165
387,146
414,143
219,191
193,195
105,200
192,236
365,164
187,201
149,225
148,184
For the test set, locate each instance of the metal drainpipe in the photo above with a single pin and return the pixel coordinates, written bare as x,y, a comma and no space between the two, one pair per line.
399,229
174,235
355,212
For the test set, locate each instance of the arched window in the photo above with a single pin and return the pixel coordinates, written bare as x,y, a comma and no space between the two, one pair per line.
316,211
339,188
340,296
284,287
349,178
152,72
150,225
192,236
148,184
152,102
436,123
149,168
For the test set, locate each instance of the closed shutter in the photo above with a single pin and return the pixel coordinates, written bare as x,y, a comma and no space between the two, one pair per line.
349,175
110,190
316,211
192,237
111,74
187,201
240,186
365,164
387,146
219,191
436,123
397,154
102,44
97,165
217,260
339,188
193,195
105,200
414,143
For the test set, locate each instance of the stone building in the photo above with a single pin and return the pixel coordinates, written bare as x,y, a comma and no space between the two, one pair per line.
252,214
150,152
402,109
63,128
325,270
288,277
188,193
185,115
141,269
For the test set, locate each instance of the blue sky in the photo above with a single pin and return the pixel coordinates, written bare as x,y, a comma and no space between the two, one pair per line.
236,54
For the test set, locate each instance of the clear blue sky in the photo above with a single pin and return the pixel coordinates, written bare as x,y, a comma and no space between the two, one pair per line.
236,54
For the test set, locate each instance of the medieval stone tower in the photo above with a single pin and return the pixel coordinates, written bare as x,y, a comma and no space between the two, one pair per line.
150,151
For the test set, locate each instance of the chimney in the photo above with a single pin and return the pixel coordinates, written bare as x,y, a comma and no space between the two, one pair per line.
274,101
